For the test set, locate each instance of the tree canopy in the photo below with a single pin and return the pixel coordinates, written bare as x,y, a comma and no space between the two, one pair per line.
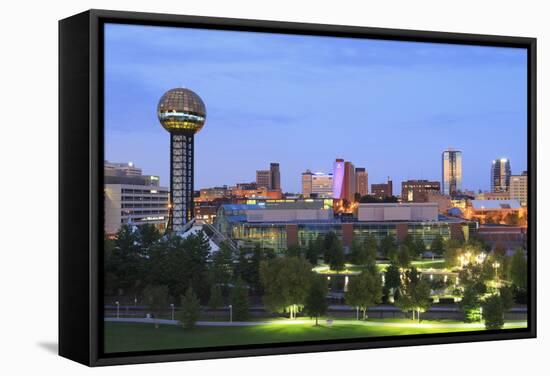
285,281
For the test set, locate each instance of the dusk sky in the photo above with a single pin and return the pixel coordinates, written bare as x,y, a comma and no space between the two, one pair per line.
391,107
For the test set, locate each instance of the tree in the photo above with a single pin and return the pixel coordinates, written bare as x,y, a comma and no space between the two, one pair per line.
239,301
216,299
451,252
392,278
221,266
294,251
328,241
403,257
156,297
316,300
181,263
507,297
470,304
190,309
364,291
493,312
414,294
419,247
337,257
437,247
314,250
147,236
518,269
285,281
124,263
388,247
364,253
512,218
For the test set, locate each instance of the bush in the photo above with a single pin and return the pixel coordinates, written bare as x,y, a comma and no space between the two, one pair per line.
493,312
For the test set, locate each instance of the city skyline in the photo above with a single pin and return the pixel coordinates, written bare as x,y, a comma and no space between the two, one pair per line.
257,113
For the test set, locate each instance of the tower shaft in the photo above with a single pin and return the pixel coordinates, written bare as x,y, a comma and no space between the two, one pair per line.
181,180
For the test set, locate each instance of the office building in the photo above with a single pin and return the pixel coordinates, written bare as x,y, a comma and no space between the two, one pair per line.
418,190
338,179
132,199
275,176
263,178
500,175
214,193
451,172
307,183
382,190
343,180
519,188
361,181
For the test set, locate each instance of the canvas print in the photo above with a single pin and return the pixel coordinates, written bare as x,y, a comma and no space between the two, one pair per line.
265,189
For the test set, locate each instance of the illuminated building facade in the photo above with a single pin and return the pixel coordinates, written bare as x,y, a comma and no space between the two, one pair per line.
338,179
299,223
307,183
418,190
182,113
382,190
451,172
500,175
343,180
519,188
361,181
133,199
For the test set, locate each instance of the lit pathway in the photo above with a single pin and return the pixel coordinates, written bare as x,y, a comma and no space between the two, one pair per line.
513,324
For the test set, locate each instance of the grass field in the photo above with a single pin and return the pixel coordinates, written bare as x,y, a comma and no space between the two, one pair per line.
121,337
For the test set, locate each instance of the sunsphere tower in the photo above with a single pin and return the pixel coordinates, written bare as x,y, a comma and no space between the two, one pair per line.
182,113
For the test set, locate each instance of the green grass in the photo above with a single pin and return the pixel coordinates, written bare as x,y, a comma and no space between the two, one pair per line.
122,337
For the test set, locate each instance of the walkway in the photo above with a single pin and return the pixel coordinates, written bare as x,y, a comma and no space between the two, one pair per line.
334,322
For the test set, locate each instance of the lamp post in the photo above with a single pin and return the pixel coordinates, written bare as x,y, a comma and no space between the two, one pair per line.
117,309
230,313
172,307
496,265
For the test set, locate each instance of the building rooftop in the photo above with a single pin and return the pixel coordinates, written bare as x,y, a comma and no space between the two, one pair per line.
495,204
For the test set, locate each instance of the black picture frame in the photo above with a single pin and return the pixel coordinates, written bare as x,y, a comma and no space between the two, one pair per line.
81,185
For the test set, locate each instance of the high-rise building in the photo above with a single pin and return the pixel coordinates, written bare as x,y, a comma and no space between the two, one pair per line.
132,199
275,176
451,172
338,179
182,113
316,184
321,185
383,190
418,190
349,181
361,181
263,178
307,182
500,175
519,188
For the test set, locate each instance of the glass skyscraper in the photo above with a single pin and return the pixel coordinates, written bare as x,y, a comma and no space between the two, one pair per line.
500,175
451,181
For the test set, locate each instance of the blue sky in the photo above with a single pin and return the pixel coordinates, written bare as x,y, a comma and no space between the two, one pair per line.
391,107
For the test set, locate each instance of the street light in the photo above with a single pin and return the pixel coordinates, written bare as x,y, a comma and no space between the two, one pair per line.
172,306
496,265
230,313
117,309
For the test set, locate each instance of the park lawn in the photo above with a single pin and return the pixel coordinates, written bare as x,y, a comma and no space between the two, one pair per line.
122,337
